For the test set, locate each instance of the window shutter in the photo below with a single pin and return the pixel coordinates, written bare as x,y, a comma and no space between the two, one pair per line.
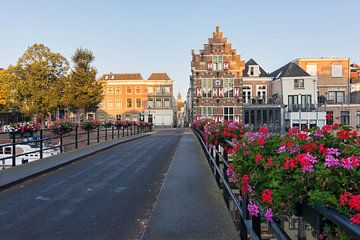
215,118
221,92
198,92
221,118
209,66
214,92
236,92
237,118
198,117
226,66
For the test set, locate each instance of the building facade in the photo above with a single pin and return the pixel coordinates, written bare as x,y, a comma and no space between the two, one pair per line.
334,89
180,107
216,81
297,90
130,97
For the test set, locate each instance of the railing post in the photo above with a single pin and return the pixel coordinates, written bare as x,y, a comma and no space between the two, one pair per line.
243,229
131,129
256,225
217,161
13,149
319,225
76,137
105,134
41,143
118,132
88,136
112,132
127,131
98,134
226,177
123,131
61,144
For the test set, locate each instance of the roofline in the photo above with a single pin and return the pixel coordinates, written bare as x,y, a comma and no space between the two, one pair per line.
323,59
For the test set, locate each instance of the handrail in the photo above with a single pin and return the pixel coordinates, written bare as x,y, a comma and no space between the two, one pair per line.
107,134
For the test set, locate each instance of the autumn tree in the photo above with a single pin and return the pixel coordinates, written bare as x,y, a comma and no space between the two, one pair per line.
37,80
82,91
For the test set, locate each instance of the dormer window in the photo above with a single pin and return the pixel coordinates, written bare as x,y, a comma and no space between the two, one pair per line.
254,70
112,77
106,77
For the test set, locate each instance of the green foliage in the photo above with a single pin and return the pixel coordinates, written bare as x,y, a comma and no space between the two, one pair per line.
35,80
81,89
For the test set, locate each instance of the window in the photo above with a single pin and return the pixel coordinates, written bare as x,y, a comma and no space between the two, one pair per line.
306,102
336,96
293,102
106,77
247,94
359,74
1,150
138,103
109,90
358,118
206,111
158,90
218,62
166,102
110,104
118,117
118,90
158,103
166,90
128,103
298,83
151,102
206,88
254,70
137,90
7,150
150,90
118,103
261,93
228,87
336,70
345,117
311,69
228,113
128,90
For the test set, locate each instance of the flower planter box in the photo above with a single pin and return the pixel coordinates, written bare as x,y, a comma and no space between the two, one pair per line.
15,135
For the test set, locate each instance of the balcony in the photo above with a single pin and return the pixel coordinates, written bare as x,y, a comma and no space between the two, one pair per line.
302,108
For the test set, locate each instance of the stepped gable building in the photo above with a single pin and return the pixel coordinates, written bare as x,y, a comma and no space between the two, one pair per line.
216,81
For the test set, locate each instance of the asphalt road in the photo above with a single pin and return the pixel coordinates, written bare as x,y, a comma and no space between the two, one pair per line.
109,195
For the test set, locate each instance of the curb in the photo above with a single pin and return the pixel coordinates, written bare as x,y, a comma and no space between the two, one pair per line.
7,184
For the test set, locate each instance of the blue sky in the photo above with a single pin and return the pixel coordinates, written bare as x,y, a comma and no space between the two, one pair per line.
157,36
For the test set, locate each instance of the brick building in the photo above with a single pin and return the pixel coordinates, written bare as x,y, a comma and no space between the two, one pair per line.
130,97
216,81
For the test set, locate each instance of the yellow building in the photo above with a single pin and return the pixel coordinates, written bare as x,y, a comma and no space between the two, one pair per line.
128,96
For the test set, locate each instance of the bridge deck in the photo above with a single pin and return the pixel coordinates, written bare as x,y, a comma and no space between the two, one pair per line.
111,195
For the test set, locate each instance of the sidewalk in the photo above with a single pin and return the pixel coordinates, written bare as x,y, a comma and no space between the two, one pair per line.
190,205
15,175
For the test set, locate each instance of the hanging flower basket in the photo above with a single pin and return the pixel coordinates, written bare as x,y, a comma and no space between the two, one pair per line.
90,124
62,127
107,124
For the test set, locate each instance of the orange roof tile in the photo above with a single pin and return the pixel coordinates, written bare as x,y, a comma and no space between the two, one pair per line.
159,76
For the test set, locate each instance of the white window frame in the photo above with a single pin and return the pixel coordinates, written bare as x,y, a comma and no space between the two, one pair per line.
218,62
261,92
247,93
348,115
136,90
136,103
336,70
357,117
118,90
206,112
131,103
128,92
229,116
118,103
110,104
150,90
299,83
109,91
228,85
207,88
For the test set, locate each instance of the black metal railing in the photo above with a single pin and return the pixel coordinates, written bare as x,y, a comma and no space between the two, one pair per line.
251,226
302,107
16,148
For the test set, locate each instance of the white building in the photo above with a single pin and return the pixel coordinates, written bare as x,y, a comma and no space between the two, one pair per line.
298,92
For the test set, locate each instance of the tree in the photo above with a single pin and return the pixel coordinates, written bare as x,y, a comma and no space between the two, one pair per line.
4,90
37,80
82,90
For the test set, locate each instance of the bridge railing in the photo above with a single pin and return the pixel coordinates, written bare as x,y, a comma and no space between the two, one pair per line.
17,149
218,159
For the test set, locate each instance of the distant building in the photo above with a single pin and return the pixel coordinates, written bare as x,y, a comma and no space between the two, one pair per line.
130,97
297,90
334,89
355,77
180,110
216,81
